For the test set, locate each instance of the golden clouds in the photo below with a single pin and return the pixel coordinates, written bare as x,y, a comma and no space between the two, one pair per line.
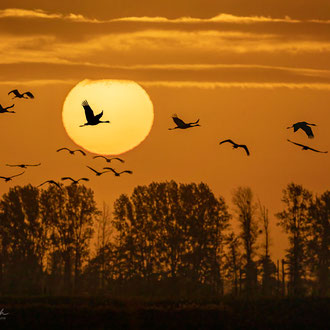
223,50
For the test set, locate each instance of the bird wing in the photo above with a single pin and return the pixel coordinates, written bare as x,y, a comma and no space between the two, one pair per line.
99,157
178,121
67,178
88,111
29,94
13,176
98,116
195,122
62,149
308,131
9,106
121,160
111,169
298,144
127,171
230,141
34,164
80,151
3,177
15,91
246,149
12,165
92,169
85,179
323,152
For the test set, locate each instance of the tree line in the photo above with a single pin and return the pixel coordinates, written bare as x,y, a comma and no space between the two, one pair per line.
166,239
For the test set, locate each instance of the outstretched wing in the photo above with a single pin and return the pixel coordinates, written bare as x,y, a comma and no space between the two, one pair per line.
99,157
15,91
29,94
67,178
88,111
178,121
13,176
298,144
80,151
111,169
228,140
9,107
121,160
93,169
246,149
62,149
195,122
323,152
84,179
127,171
308,131
98,116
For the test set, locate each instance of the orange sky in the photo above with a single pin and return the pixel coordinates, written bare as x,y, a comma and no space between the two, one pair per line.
246,69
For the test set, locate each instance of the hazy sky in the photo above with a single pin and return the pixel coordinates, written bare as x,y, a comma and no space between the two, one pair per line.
247,69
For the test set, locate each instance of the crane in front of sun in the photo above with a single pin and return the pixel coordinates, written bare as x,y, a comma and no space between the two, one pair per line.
92,119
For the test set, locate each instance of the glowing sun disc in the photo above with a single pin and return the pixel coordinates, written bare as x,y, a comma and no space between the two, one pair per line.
124,103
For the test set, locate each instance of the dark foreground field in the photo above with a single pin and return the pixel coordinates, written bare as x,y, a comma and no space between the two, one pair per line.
102,313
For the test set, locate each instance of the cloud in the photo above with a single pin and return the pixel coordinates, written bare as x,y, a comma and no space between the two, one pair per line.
39,13
242,85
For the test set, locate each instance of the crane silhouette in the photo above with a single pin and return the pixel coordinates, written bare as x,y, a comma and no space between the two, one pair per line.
9,178
108,160
181,124
51,182
73,180
4,110
72,151
97,172
90,117
21,96
117,173
305,127
23,165
307,147
235,145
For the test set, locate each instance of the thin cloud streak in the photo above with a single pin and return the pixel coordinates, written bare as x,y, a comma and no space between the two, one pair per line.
241,85
220,18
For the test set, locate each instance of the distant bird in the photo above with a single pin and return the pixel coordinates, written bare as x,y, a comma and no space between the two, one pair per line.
72,151
117,173
21,96
23,165
181,124
9,178
73,180
305,127
307,148
90,117
108,160
3,110
51,182
97,172
235,145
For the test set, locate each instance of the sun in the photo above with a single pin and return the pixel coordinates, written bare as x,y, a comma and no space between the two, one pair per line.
124,103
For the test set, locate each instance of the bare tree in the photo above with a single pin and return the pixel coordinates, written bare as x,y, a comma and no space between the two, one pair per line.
245,209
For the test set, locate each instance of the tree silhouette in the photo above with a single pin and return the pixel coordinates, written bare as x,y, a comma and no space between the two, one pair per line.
171,232
245,209
318,243
268,266
294,219
233,261
24,241
69,215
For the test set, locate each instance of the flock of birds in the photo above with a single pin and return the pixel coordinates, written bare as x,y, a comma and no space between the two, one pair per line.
306,127
91,120
95,120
